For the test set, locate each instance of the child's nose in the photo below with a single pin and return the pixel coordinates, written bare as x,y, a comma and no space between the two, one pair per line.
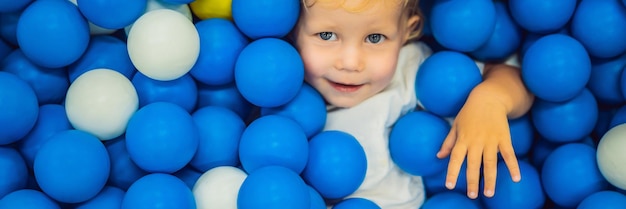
350,58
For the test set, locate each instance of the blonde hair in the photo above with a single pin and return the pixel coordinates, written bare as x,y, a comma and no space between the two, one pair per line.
411,8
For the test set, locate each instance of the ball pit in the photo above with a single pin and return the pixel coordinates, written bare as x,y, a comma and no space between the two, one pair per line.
197,74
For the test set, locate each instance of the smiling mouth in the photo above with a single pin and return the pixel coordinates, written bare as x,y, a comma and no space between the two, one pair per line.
346,88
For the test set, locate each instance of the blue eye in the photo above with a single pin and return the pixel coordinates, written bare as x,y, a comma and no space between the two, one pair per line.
375,38
327,36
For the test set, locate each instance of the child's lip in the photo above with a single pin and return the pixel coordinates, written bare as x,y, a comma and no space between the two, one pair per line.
347,88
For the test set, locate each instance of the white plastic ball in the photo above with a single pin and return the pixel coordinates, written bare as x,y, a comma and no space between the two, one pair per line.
163,44
101,101
610,156
218,188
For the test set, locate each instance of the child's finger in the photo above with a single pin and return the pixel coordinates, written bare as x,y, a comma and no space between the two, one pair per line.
474,161
448,144
456,160
490,168
508,154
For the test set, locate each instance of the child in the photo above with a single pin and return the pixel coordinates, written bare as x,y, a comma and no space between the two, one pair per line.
360,56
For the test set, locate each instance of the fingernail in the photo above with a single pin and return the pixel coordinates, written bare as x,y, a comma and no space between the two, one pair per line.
517,178
489,193
472,195
449,185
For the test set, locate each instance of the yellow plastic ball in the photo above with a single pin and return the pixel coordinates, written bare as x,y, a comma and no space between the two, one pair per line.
205,9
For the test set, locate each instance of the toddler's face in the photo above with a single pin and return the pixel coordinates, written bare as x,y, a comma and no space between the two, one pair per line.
350,56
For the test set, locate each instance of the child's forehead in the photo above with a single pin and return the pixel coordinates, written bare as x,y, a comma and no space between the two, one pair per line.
354,5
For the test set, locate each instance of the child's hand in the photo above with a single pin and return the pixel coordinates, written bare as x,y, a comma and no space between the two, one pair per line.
479,132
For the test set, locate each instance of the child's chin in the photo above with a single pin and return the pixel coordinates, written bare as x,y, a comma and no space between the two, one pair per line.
343,102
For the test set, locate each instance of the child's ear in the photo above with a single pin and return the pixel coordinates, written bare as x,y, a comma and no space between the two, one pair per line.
411,24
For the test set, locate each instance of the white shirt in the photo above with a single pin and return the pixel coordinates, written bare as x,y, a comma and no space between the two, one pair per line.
370,123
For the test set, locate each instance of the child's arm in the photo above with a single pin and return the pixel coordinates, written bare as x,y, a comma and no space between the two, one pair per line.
481,129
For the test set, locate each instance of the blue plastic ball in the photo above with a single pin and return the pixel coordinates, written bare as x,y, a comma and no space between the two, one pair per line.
52,33
447,200
337,164
436,183
28,198
445,80
19,106
13,5
462,25
52,119
171,147
568,121
526,194
273,187
265,19
606,80
505,39
356,203
273,140
181,91
158,190
604,199
220,45
415,140
103,51
307,108
570,174
224,96
13,171
317,202
124,172
109,197
547,16
522,134
50,84
601,27
99,12
556,68
269,72
220,130
188,175
72,167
